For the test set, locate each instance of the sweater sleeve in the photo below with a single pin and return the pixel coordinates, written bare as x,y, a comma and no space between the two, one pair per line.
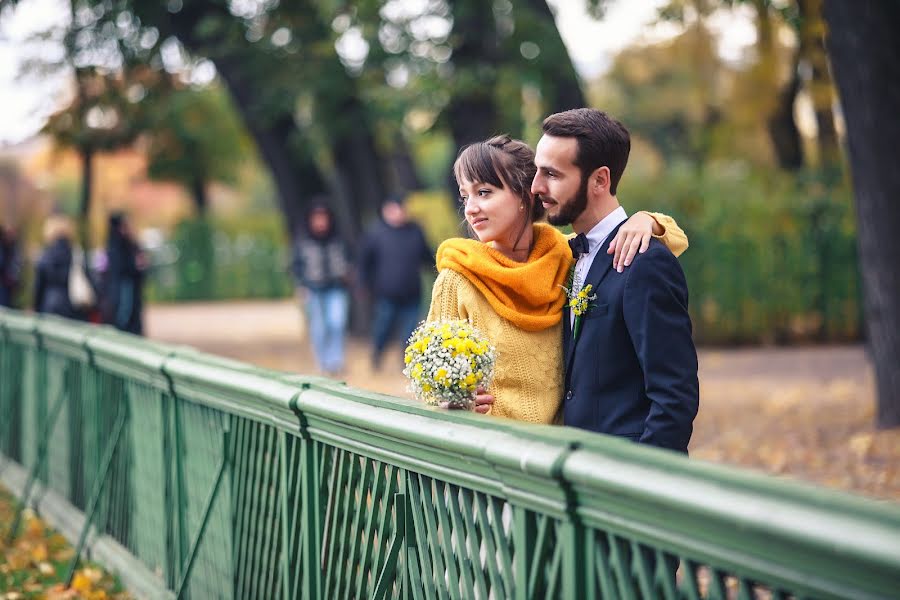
445,302
673,236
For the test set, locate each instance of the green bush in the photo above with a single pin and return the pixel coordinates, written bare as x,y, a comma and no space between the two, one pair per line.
220,259
772,257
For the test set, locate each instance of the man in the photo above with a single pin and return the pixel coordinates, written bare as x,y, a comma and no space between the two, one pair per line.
631,365
392,254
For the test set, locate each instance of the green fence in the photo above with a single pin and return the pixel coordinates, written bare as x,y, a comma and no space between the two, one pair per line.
227,481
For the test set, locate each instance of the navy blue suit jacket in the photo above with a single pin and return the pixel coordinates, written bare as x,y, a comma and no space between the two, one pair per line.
632,372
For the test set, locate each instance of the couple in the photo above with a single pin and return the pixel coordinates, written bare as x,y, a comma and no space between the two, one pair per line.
625,364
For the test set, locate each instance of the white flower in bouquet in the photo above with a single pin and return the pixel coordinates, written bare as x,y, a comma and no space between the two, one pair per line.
446,361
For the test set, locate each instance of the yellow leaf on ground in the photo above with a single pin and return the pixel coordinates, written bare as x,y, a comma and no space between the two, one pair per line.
861,443
35,527
82,583
39,553
93,574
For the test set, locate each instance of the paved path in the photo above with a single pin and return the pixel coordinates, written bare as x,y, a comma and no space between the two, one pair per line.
803,412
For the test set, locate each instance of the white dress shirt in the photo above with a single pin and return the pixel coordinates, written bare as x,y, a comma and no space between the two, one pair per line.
596,238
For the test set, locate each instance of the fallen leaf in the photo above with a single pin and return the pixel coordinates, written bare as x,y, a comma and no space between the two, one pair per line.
861,444
39,553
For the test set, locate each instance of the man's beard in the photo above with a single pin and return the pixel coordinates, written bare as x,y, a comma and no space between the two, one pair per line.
571,210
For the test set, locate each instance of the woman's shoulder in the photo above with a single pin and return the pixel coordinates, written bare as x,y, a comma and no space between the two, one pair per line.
456,243
449,278
451,282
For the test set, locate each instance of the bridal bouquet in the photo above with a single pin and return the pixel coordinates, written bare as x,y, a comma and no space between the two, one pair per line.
446,361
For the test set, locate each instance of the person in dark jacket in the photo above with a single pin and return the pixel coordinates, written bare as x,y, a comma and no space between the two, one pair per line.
124,278
393,252
321,268
51,278
10,266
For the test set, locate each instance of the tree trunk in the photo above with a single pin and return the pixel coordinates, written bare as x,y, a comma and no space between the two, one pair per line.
561,84
198,191
297,179
358,166
783,132
286,149
821,89
357,162
403,167
864,46
471,114
87,188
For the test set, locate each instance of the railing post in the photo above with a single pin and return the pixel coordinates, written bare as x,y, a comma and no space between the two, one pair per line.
410,556
311,511
576,567
525,534
286,545
179,500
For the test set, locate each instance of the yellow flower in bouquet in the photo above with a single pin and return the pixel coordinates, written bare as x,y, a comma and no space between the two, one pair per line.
446,361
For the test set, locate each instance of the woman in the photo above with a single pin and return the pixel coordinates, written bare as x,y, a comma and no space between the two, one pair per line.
124,278
322,271
509,281
51,278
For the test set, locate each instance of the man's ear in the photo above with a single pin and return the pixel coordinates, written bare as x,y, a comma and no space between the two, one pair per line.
599,180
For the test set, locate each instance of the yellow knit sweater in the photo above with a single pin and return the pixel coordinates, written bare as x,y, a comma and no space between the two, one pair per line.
518,307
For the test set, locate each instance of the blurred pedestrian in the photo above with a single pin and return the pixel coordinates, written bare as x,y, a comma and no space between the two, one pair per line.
321,268
123,280
393,253
53,269
10,266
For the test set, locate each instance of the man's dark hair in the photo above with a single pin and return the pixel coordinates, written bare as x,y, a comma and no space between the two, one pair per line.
602,141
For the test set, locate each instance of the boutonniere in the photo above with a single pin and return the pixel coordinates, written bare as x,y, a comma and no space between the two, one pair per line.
580,300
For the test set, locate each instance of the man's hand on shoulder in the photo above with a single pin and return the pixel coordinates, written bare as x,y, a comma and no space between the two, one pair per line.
632,238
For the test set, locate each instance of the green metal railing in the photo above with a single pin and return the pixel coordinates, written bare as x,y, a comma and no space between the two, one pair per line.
228,481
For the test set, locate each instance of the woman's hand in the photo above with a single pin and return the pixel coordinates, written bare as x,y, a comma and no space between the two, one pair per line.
483,401
633,236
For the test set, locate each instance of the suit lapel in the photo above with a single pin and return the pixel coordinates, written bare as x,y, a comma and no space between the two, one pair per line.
599,269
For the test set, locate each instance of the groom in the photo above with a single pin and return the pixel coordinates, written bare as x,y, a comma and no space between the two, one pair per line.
631,367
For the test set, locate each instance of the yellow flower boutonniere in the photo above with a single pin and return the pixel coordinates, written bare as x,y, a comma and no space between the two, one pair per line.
580,300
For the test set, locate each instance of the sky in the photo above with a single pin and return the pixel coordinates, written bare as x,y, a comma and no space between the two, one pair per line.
25,103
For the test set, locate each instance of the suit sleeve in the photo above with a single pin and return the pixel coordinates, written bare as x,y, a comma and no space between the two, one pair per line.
656,314
673,236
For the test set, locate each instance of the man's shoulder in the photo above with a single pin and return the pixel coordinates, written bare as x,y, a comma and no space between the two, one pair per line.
656,263
656,255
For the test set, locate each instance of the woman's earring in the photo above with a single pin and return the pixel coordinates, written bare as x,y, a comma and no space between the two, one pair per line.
521,207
